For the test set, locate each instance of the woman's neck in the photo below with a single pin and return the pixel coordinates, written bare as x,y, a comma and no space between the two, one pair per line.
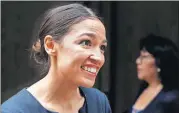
53,91
154,82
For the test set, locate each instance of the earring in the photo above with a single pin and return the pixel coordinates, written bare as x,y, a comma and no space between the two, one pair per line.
158,70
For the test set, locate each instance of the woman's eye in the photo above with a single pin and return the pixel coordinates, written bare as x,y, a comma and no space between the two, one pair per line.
85,43
103,48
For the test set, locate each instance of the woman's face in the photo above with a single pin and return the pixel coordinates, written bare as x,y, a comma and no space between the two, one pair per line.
146,67
81,53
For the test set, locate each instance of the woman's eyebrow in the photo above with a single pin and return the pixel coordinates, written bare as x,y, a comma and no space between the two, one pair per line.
92,35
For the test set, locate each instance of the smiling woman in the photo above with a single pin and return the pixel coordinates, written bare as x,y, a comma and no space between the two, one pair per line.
70,47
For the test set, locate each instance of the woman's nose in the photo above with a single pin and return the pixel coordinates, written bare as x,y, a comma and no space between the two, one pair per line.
97,57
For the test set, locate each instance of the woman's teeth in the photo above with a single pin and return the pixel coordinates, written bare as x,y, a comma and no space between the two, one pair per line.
89,69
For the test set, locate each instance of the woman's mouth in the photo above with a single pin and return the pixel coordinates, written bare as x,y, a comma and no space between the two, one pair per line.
92,70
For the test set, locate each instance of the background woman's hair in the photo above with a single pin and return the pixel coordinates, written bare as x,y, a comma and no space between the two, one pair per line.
166,55
56,22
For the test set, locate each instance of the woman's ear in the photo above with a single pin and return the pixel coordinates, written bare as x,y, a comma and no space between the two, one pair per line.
49,45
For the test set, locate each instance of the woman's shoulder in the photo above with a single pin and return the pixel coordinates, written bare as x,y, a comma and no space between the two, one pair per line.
17,98
14,103
170,96
170,101
21,102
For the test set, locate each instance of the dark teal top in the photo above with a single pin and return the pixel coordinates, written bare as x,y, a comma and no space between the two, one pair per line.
164,102
24,102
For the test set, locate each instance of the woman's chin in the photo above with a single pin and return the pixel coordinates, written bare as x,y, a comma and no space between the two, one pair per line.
140,77
88,84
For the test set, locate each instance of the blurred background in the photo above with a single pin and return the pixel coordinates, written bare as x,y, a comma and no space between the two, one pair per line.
126,22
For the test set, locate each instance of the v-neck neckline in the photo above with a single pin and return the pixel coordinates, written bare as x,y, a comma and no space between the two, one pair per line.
151,103
49,111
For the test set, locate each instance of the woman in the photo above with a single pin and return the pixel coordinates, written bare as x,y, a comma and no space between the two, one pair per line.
158,68
70,47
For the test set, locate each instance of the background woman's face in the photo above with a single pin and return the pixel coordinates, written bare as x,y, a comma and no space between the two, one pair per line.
81,53
146,66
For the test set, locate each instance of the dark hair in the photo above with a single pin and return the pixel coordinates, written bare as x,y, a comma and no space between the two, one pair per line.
166,55
57,22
